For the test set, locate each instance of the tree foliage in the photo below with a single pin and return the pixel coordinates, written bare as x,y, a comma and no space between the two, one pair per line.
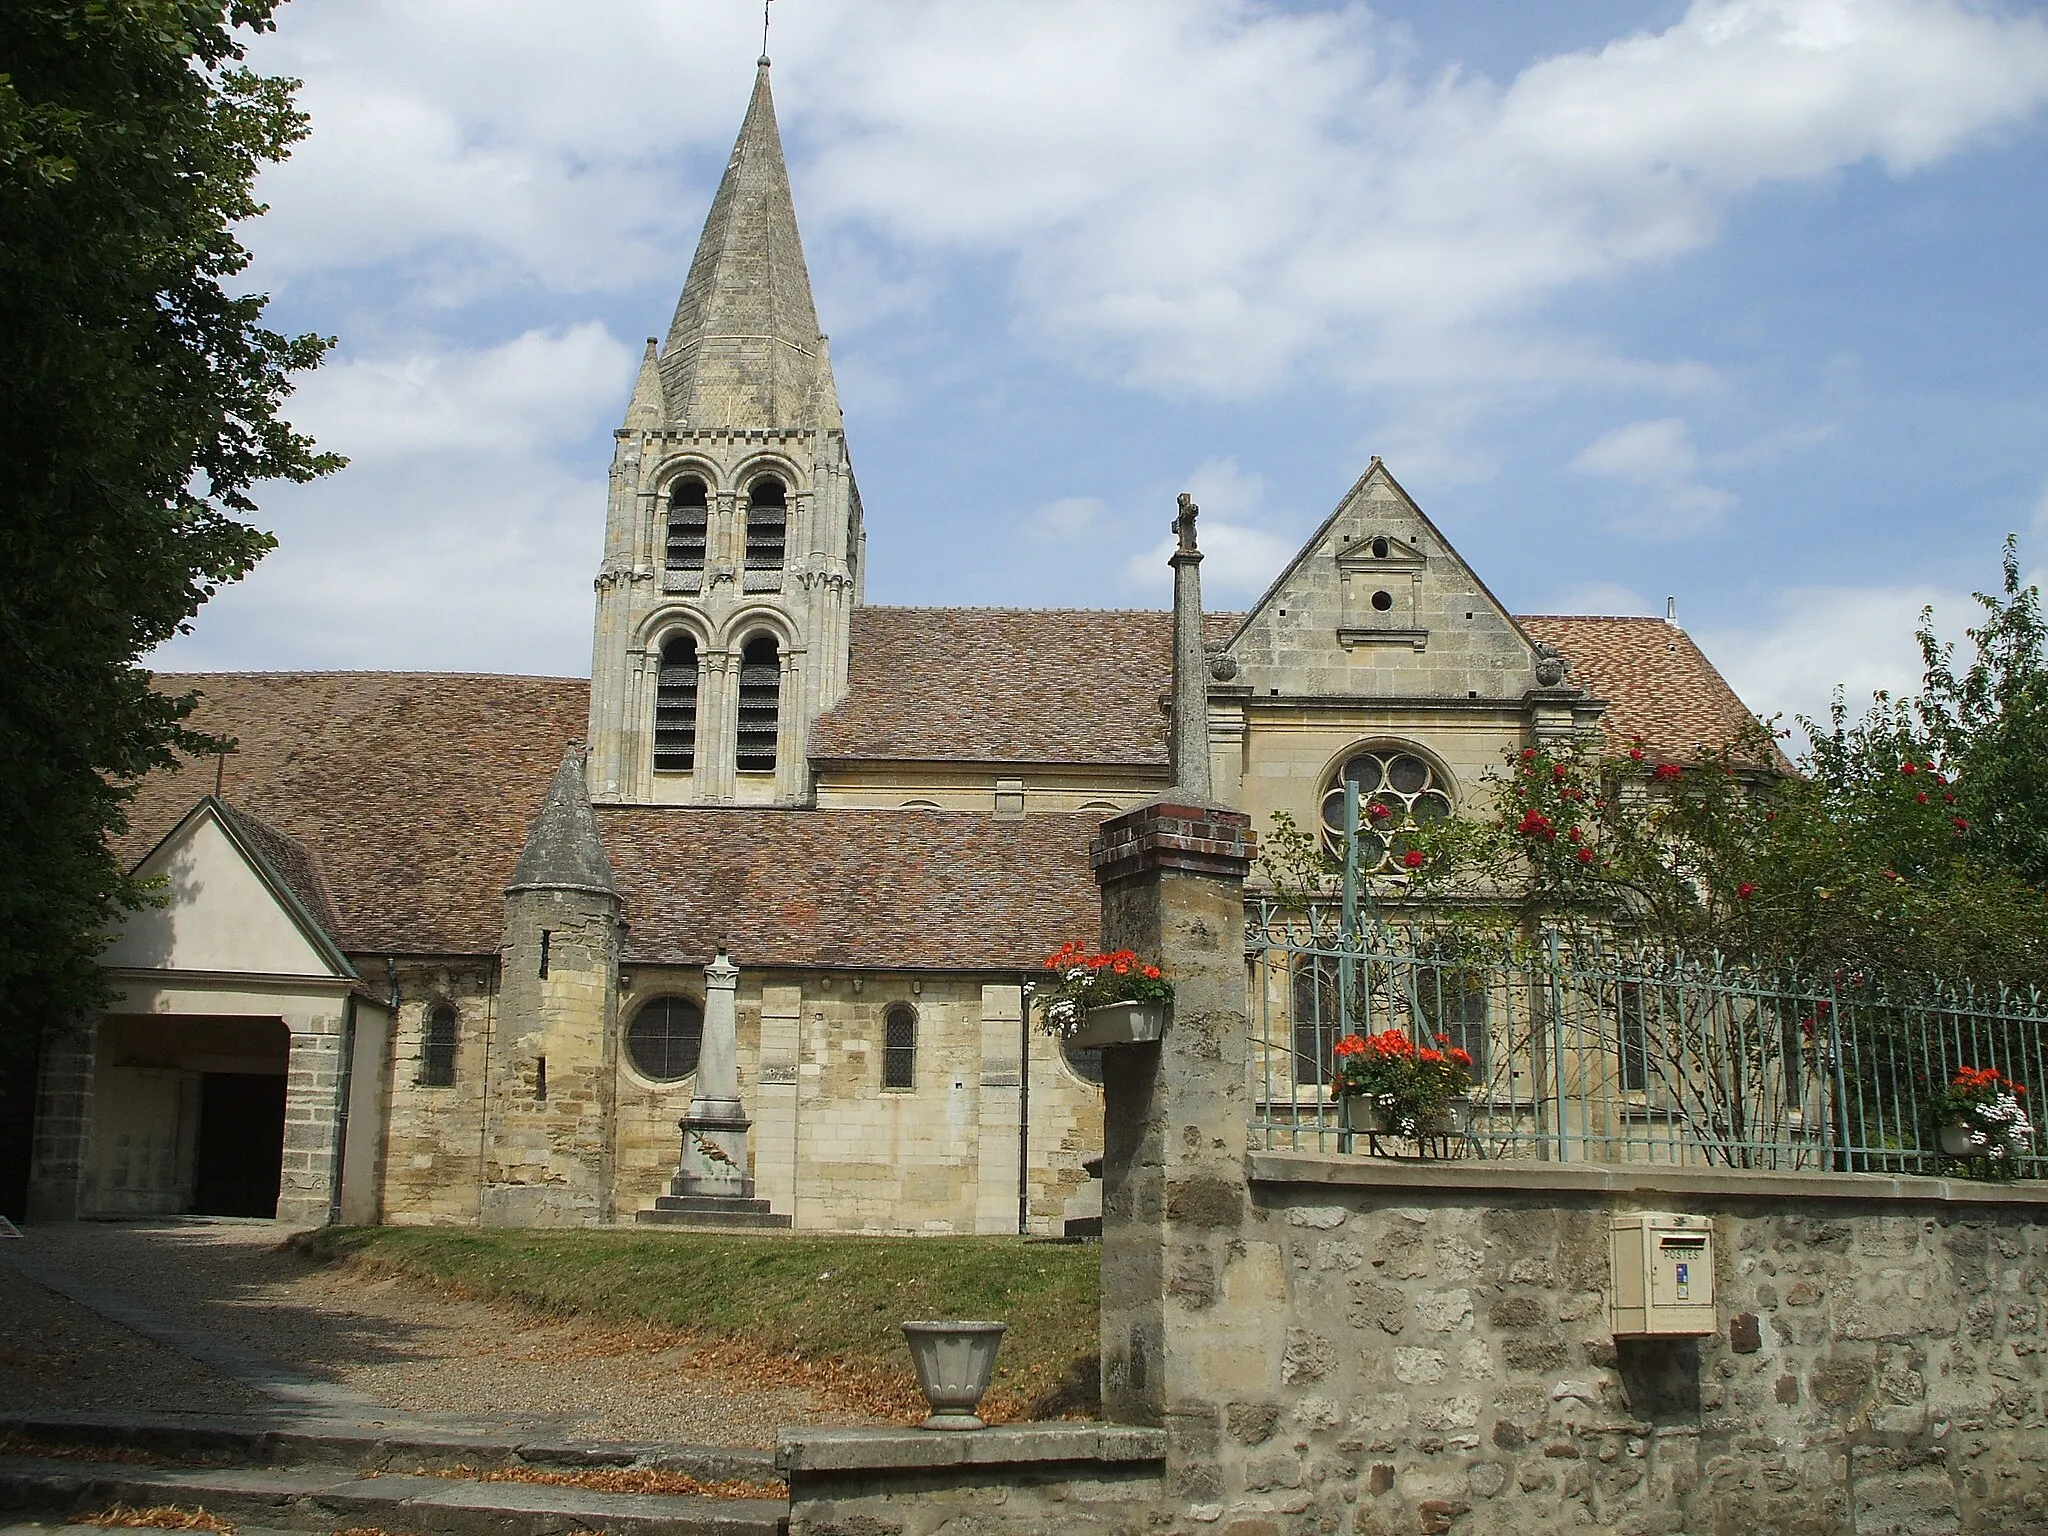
139,407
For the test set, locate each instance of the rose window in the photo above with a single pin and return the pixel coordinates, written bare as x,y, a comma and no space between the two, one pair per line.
1397,792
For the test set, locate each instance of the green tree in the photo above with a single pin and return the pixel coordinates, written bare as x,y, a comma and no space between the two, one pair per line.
139,401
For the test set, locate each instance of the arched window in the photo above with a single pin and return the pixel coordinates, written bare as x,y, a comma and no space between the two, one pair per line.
1397,791
767,533
664,1038
675,707
899,1047
437,1049
688,524
1318,1019
760,704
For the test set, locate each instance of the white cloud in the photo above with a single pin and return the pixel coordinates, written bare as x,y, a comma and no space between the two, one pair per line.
1658,461
1818,638
1240,555
1066,519
1195,194
455,534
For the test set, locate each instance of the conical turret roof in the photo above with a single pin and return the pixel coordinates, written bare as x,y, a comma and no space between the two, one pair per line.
743,347
563,852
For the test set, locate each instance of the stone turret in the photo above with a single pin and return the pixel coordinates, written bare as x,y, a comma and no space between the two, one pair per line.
548,1152
733,543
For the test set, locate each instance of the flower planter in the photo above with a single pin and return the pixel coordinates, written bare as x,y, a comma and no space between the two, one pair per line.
954,1361
1451,1120
1119,1024
1956,1142
1362,1115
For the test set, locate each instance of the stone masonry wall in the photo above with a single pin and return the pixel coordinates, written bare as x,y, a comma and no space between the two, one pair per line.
1437,1358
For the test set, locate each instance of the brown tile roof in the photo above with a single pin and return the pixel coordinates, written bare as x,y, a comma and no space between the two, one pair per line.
1660,687
913,889
1006,685
294,863
413,790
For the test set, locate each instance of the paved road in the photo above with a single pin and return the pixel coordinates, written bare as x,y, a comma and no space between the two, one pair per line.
213,1315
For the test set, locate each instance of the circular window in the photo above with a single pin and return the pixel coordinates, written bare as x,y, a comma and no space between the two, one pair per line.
1397,792
1383,600
664,1038
1083,1062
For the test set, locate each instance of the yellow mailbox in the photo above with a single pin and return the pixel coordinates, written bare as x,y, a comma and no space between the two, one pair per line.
1663,1276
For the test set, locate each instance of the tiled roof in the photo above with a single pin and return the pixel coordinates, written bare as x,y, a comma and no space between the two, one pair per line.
1660,687
292,860
912,889
414,791
1016,685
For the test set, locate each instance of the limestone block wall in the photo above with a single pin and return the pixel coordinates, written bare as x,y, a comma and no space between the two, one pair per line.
431,1168
832,1146
548,1146
1433,1354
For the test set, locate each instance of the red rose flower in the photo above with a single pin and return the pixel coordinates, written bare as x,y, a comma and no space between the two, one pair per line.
1585,855
1921,798
1635,754
1667,771
1962,826
1528,754
1558,770
1412,858
1908,769
1745,890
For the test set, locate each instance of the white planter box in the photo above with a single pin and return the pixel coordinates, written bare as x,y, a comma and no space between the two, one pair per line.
1955,1140
1119,1024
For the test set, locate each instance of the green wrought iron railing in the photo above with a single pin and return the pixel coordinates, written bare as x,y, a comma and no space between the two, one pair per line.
1588,1049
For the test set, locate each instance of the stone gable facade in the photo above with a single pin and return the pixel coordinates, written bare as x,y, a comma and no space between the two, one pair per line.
881,814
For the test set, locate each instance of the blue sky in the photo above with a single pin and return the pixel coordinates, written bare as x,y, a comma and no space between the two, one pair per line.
1738,302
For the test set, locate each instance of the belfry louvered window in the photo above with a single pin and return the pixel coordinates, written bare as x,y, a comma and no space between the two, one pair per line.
767,533
675,707
760,704
688,526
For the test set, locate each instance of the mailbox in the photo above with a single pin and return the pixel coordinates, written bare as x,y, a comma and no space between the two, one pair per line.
1663,1276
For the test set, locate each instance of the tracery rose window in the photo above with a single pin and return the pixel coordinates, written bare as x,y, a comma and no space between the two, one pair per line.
1397,792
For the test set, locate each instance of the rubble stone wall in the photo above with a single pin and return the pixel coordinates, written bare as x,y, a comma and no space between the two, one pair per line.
1437,1358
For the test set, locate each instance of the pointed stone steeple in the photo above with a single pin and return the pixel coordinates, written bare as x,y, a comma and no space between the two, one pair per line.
743,347
645,412
563,852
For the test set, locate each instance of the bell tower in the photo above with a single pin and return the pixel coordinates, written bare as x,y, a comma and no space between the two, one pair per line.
733,542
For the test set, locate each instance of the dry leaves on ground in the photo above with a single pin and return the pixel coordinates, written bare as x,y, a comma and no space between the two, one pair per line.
618,1480
162,1517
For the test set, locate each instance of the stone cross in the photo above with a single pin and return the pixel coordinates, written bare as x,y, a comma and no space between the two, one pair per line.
1188,748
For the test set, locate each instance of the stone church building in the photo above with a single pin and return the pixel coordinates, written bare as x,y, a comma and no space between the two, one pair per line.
435,946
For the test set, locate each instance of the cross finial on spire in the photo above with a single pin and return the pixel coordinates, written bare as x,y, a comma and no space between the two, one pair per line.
764,30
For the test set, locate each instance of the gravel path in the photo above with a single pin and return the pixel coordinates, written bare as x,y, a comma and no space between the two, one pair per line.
418,1352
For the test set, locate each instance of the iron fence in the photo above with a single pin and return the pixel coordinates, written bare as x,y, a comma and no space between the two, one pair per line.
1585,1050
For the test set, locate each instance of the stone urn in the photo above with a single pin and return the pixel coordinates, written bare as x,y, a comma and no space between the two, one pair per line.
954,1361
1119,1024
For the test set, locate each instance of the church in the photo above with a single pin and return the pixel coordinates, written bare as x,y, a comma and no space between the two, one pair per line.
455,948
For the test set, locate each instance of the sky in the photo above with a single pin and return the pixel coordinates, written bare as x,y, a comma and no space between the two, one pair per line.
1737,302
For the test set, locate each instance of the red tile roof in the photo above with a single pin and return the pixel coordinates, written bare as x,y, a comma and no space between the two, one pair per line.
896,889
1660,687
1006,685
409,795
412,790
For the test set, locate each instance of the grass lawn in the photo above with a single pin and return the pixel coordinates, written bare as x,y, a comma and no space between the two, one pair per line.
829,1302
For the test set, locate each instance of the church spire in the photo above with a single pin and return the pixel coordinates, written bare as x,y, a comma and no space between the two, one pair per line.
743,349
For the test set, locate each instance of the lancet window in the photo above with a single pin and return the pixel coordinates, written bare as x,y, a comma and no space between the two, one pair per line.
675,707
767,533
760,704
689,517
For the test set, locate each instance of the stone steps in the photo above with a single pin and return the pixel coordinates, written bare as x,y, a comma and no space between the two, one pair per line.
328,1498
731,1211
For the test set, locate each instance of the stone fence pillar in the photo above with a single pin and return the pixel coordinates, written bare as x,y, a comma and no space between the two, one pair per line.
1174,1172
